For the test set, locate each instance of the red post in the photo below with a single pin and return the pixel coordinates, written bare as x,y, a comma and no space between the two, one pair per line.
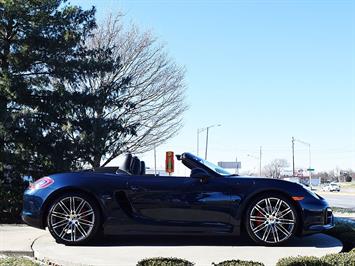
169,162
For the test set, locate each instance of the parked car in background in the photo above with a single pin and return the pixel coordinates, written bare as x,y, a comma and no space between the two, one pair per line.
332,187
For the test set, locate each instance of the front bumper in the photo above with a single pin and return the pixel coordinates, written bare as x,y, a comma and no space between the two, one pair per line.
318,217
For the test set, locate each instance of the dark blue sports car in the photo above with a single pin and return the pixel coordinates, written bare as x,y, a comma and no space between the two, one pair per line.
76,206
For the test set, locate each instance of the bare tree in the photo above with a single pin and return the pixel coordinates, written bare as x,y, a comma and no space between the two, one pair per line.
144,95
274,168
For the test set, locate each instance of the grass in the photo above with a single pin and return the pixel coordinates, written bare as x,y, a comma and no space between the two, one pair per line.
17,261
343,210
348,184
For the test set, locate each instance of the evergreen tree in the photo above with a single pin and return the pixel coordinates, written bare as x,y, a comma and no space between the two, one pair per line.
40,41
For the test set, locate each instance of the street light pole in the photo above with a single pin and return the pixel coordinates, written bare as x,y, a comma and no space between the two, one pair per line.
199,130
310,158
206,143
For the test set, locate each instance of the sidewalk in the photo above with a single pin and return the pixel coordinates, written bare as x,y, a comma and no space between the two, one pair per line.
20,240
120,251
16,240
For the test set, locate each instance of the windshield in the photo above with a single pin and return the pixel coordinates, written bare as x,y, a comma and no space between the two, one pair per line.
213,167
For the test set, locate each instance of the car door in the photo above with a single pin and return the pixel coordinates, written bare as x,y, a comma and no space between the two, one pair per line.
180,203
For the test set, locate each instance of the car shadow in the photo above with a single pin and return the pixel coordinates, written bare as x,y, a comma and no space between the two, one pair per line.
317,240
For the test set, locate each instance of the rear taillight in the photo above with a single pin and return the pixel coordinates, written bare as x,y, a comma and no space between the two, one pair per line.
41,183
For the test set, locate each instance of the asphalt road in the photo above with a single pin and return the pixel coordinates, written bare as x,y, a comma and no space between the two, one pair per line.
339,199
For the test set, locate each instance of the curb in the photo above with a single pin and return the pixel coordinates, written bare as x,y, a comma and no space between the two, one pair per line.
17,253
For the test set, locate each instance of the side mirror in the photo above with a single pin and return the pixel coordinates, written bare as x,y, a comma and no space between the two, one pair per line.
200,173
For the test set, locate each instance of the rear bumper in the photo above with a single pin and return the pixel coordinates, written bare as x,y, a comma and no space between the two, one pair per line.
31,220
32,211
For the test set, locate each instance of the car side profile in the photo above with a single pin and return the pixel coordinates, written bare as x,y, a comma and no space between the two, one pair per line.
210,201
331,187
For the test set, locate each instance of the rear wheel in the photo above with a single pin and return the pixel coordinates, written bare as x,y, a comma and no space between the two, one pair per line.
73,219
271,220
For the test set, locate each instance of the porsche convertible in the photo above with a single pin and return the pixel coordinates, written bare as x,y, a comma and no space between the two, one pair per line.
125,200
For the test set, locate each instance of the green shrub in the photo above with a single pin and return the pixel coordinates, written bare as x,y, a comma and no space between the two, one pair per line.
300,261
164,262
11,261
341,259
238,263
344,230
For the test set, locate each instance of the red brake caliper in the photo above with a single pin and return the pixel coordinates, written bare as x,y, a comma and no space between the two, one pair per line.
258,214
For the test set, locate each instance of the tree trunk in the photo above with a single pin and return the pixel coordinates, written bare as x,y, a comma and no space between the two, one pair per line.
97,160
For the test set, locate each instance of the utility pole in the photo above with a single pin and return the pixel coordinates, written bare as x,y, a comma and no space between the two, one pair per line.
293,156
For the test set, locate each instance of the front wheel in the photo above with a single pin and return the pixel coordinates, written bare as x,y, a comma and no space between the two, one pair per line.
271,220
73,219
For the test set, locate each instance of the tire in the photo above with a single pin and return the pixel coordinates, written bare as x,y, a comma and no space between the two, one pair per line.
74,219
271,219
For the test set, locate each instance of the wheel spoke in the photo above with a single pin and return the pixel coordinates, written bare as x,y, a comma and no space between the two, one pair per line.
261,210
275,234
64,208
260,227
59,215
64,230
81,230
72,232
80,206
284,213
86,222
72,204
283,230
86,213
285,221
60,223
266,233
269,209
277,206
257,218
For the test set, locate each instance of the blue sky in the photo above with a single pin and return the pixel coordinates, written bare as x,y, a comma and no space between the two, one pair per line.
264,70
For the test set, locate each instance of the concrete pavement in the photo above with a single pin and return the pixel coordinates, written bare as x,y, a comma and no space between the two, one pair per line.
204,251
16,240
118,250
